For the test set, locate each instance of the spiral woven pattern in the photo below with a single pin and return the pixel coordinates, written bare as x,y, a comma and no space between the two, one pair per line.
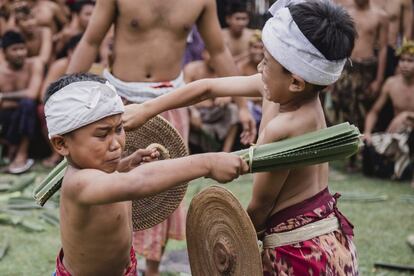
221,239
153,210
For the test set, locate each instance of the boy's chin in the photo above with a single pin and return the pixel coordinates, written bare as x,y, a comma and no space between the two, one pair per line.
110,169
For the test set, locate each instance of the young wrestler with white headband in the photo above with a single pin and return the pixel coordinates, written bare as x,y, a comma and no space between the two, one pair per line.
83,116
306,46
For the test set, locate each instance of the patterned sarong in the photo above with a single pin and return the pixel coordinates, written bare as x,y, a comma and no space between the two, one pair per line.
131,270
20,122
330,254
150,243
350,97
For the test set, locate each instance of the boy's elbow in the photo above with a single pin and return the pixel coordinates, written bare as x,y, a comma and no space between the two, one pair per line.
205,89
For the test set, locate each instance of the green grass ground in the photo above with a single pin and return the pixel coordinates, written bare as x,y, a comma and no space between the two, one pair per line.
381,227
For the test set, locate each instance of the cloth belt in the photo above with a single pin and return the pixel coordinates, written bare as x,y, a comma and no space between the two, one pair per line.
307,232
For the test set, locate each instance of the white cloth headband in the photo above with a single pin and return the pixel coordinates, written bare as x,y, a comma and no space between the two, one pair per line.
79,104
289,46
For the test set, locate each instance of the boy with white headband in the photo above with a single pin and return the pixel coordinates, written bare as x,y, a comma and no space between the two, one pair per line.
83,116
306,47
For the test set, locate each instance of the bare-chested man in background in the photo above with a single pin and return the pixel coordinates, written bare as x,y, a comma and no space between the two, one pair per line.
20,81
237,35
354,93
49,14
149,43
400,16
400,90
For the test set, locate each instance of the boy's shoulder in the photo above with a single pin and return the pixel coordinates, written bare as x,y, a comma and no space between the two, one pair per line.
290,124
75,180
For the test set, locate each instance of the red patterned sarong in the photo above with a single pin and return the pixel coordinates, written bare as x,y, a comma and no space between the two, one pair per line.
130,271
330,254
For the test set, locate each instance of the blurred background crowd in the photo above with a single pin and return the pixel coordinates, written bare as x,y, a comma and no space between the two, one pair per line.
376,91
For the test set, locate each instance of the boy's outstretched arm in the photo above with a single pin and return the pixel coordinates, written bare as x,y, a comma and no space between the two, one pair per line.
137,114
93,187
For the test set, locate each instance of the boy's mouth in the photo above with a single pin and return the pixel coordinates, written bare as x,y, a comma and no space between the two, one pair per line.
113,160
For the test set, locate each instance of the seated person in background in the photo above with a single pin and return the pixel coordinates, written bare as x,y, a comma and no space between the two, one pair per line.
49,14
395,142
84,124
80,18
56,70
213,122
20,81
237,35
248,67
38,39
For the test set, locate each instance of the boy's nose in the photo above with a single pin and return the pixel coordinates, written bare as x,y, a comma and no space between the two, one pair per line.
115,144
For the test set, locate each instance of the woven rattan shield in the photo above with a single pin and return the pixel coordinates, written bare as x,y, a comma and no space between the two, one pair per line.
221,239
153,210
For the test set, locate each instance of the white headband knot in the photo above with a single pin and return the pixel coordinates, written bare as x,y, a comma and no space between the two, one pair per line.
79,104
289,46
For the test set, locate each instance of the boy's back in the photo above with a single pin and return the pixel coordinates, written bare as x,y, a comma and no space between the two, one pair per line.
300,183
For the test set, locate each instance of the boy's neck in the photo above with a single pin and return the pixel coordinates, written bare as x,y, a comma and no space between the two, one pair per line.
300,100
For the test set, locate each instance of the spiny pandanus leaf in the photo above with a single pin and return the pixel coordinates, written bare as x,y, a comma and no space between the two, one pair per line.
312,148
50,184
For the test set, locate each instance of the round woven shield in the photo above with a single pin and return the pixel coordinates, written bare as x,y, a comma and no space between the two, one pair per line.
153,210
221,239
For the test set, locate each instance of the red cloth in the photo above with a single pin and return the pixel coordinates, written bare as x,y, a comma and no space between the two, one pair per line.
330,254
130,271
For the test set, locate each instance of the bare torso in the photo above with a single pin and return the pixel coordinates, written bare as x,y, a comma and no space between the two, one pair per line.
12,81
239,46
150,38
301,183
367,22
394,11
45,16
401,95
34,43
96,240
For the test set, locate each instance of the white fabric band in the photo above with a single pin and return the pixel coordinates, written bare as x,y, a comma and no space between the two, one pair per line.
139,92
79,104
304,233
289,46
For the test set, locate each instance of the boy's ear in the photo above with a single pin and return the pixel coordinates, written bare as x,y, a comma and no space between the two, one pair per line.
297,84
59,144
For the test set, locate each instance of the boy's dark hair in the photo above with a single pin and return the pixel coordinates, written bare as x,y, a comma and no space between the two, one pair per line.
78,6
327,26
68,79
236,6
10,38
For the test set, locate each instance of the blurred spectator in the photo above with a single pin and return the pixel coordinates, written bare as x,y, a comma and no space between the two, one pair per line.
237,35
248,66
395,144
38,39
213,123
353,94
195,46
20,81
400,16
49,14
82,11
